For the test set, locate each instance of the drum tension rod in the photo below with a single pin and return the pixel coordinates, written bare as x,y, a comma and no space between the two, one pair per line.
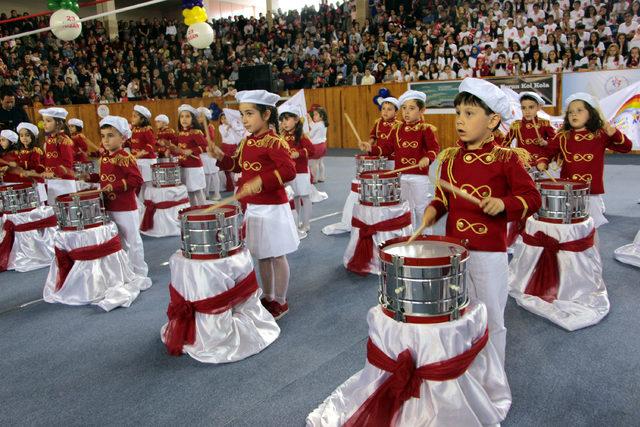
455,286
398,262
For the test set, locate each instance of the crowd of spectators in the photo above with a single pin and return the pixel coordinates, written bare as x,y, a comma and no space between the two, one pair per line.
402,41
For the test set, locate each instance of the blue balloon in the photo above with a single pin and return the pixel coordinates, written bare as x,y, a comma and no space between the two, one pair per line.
215,111
375,101
384,92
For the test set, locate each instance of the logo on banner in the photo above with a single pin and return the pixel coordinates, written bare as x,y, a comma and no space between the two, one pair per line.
615,83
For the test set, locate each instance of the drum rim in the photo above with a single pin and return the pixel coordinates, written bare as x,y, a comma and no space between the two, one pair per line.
576,220
16,186
422,262
82,195
209,216
425,319
369,157
165,165
231,252
388,174
548,184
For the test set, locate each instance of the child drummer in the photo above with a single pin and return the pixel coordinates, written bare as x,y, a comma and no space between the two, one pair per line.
414,143
531,133
381,130
495,175
119,179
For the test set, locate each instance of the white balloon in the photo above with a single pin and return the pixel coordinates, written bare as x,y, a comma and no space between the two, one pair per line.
200,35
65,24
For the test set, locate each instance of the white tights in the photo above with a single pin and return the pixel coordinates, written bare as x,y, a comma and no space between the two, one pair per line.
274,274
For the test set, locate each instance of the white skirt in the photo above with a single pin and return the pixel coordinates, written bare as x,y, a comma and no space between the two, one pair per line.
209,164
301,184
145,168
193,178
582,295
479,397
271,230
235,334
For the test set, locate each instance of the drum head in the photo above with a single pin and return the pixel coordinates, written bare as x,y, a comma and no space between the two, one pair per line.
17,186
164,165
425,251
200,213
82,195
380,174
548,184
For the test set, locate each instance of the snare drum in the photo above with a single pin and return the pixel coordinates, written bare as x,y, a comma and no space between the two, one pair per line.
16,198
78,211
166,174
210,235
366,163
84,168
425,278
379,188
564,201
536,175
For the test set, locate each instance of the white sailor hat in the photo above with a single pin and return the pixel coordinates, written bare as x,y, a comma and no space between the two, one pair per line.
582,96
533,95
490,94
162,118
55,112
144,111
10,135
391,100
291,109
119,123
189,108
30,127
205,111
412,94
261,97
76,122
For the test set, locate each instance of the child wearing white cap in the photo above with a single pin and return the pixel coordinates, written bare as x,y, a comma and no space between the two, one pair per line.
531,132
318,134
81,147
291,127
58,154
142,143
414,143
581,145
191,143
120,179
232,131
166,136
264,160
495,175
211,169
8,157
381,130
29,157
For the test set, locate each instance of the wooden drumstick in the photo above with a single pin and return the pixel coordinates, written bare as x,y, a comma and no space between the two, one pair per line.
80,193
455,190
550,176
236,197
353,128
399,170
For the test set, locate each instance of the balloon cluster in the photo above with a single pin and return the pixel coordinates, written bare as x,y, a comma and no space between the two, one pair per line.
63,4
382,93
193,12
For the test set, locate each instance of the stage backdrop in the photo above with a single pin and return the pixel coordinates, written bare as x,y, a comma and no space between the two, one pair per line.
600,84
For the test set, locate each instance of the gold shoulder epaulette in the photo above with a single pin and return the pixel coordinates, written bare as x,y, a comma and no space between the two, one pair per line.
448,154
38,150
503,154
430,126
66,140
125,159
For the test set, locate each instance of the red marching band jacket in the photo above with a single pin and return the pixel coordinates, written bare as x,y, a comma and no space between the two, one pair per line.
167,137
490,171
410,143
526,134
120,171
81,148
59,156
267,156
381,131
194,140
582,154
142,138
304,148
29,159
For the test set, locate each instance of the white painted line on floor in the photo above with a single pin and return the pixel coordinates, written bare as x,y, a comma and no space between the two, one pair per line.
325,216
26,304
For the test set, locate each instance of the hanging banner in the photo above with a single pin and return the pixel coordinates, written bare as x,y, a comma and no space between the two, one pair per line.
599,84
440,94
622,109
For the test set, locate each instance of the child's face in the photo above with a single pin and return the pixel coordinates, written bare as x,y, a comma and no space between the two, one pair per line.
136,118
185,119
73,129
578,115
252,120
111,139
160,125
473,124
49,124
25,137
223,119
288,123
4,143
316,116
388,111
410,111
529,109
